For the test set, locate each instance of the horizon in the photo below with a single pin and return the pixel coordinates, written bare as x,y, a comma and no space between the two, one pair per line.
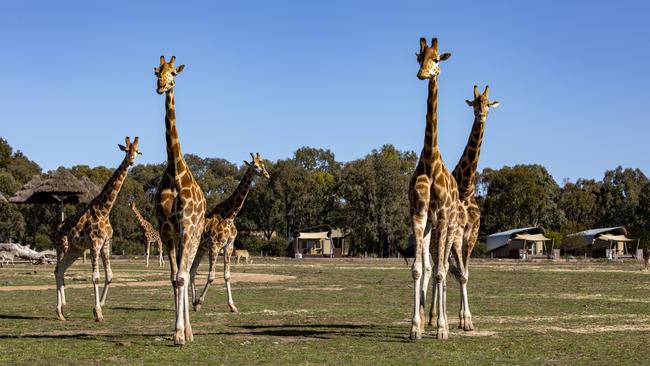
338,76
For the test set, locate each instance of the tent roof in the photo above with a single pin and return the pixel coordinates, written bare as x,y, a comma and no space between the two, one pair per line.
497,240
614,237
531,237
617,233
57,185
320,235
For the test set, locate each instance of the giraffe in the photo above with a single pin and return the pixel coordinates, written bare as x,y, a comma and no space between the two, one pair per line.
91,229
433,197
220,232
469,216
180,206
151,235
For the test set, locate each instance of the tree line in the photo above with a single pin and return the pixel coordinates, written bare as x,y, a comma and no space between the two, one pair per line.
366,198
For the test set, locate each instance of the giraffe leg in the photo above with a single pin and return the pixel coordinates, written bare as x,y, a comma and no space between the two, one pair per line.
441,272
63,262
94,254
426,265
195,266
418,223
161,261
147,250
108,272
470,243
226,275
213,254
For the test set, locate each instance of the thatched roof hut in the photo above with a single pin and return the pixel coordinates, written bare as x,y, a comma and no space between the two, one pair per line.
58,187
91,190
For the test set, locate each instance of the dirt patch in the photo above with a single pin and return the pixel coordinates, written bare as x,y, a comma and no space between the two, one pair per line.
478,333
235,277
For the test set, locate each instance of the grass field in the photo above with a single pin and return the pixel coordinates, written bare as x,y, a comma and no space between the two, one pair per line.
334,312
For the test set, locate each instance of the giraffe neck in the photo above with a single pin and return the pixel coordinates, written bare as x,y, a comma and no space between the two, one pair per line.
105,200
430,151
231,206
174,154
465,170
143,222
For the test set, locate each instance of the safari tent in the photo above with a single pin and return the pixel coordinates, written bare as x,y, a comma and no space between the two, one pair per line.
318,241
611,243
522,243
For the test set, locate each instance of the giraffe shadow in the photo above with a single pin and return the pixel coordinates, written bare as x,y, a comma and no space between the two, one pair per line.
326,331
135,308
23,317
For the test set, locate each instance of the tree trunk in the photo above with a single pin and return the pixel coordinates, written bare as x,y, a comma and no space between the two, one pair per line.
25,252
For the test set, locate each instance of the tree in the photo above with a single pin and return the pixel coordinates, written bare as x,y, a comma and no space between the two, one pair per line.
618,198
519,196
374,195
579,202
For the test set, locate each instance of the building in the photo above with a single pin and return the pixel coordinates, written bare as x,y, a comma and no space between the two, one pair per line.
318,241
611,243
523,243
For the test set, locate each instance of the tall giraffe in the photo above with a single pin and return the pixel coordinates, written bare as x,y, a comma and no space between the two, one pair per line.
469,216
433,196
91,229
220,232
180,206
151,235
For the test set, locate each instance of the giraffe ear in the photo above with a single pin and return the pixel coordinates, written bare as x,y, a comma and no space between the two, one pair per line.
445,56
179,69
122,147
247,163
469,102
494,104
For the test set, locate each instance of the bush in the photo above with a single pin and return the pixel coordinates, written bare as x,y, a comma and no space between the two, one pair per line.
480,250
43,242
255,245
122,246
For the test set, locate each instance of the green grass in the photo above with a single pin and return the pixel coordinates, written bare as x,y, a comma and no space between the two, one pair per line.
337,312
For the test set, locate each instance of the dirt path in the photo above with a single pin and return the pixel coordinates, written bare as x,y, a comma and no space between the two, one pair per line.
235,277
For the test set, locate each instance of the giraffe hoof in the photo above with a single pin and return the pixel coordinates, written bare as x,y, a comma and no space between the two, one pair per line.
442,334
59,314
97,313
197,306
233,309
179,338
415,333
468,326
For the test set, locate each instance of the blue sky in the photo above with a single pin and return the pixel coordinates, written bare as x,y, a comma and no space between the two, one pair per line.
271,76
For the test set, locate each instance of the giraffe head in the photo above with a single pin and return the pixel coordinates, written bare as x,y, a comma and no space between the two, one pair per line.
131,149
429,59
481,103
166,72
257,165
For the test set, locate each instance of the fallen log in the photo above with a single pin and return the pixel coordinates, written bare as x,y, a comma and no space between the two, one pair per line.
25,252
